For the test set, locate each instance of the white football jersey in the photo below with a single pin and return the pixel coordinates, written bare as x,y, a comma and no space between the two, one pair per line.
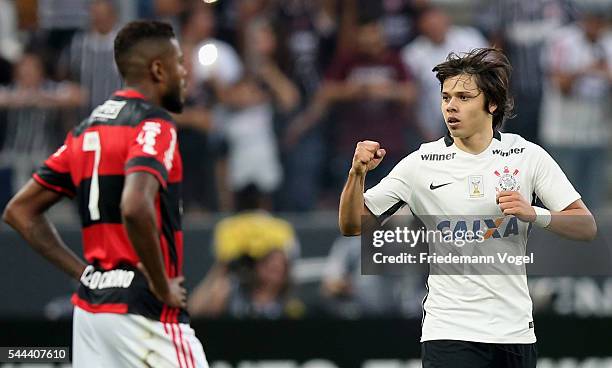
443,183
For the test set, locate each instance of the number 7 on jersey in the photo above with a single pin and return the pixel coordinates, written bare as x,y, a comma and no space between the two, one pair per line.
91,142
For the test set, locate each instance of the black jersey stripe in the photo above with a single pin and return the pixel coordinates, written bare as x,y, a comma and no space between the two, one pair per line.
172,198
390,212
149,162
425,300
171,219
137,297
62,180
110,188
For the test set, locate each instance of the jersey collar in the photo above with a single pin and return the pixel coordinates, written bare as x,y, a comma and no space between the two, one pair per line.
449,141
130,93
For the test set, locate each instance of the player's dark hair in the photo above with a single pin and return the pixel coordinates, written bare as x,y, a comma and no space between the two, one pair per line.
132,34
491,70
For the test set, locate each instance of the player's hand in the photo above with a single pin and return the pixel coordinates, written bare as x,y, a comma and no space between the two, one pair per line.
513,203
176,294
368,155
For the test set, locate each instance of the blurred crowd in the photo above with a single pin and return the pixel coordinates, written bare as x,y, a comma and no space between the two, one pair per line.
280,91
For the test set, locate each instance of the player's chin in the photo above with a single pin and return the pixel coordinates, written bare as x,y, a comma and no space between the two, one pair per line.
173,103
456,132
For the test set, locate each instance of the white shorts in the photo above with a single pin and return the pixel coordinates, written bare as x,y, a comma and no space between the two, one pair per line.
103,340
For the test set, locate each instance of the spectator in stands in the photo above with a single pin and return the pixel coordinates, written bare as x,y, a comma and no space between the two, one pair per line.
576,113
33,128
520,27
58,21
89,59
214,67
251,105
397,18
10,48
251,276
214,61
199,156
371,94
197,23
349,294
308,30
438,37
235,16
164,10
27,15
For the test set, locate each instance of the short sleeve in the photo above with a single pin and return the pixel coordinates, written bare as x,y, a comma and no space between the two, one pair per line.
54,174
152,149
394,191
550,183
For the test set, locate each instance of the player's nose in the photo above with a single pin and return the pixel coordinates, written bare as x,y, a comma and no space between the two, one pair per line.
451,106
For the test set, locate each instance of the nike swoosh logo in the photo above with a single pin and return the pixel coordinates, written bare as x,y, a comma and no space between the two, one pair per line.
434,187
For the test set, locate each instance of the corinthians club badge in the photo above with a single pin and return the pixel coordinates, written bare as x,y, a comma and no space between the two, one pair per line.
507,180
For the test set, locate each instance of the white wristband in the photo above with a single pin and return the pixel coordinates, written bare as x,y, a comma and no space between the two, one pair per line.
543,217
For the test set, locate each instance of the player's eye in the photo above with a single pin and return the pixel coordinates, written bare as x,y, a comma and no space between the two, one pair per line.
464,98
445,98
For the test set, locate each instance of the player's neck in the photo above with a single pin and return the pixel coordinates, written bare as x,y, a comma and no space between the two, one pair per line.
475,143
146,90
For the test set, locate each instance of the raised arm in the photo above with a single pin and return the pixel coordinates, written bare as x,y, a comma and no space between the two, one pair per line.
26,214
330,92
283,89
368,155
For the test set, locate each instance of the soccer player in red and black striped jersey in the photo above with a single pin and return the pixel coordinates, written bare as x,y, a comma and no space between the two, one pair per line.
122,165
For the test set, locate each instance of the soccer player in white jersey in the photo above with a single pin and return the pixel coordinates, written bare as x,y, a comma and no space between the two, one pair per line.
473,320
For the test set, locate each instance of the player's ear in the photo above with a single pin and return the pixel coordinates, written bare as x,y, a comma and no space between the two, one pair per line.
492,108
157,70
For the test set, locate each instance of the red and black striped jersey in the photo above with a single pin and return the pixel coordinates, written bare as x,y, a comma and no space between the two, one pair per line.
126,134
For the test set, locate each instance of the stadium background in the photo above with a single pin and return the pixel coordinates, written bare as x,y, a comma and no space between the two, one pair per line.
265,155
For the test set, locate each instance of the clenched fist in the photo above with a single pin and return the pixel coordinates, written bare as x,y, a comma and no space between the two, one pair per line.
512,203
368,155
